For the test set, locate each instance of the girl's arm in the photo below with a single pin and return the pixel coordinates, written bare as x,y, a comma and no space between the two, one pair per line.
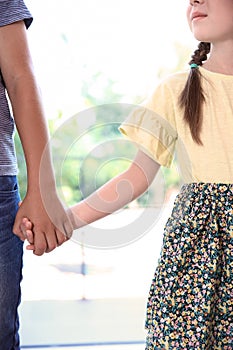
118,192
112,196
17,70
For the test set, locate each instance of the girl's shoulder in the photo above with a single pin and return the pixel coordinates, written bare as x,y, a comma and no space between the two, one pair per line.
173,83
174,79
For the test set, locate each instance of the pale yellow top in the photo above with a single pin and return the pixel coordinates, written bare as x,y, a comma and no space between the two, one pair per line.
158,128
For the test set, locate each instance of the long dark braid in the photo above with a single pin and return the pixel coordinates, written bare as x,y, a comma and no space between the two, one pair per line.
192,97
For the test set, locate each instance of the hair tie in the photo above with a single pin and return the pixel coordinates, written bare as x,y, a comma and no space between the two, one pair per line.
193,66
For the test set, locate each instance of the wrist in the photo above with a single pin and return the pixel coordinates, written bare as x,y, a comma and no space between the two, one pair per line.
74,218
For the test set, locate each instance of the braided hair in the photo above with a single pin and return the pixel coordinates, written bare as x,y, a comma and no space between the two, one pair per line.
192,97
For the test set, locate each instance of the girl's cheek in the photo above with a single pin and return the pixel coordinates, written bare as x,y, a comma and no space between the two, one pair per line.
188,12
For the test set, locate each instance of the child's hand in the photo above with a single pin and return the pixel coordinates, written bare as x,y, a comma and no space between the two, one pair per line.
48,231
27,229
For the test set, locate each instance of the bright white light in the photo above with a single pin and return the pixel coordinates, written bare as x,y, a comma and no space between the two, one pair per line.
129,41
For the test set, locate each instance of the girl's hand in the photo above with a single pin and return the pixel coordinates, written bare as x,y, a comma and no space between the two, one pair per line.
27,229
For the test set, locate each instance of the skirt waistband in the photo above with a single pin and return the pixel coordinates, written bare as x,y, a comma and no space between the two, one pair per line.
212,189
206,197
208,185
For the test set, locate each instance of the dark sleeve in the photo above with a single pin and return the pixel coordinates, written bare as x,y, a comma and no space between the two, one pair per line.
13,11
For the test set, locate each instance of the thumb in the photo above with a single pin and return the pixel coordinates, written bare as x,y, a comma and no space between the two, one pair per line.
16,228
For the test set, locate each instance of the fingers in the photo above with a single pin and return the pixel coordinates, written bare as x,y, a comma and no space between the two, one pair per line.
29,236
26,228
51,241
35,237
30,247
47,242
43,240
61,237
54,242
17,231
38,241
21,226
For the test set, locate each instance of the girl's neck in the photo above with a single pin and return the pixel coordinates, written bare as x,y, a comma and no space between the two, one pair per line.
220,59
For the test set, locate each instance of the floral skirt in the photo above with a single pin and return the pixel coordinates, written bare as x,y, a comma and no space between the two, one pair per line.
190,303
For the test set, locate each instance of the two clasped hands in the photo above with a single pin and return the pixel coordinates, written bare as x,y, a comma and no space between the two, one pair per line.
44,227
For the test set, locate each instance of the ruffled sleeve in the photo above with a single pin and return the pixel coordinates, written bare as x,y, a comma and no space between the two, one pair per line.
152,126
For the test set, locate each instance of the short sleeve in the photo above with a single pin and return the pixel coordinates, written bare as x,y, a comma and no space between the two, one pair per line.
13,11
152,126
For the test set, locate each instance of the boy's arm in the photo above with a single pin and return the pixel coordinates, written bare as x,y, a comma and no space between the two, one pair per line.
17,70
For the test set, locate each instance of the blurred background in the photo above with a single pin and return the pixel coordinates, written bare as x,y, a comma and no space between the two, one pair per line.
88,54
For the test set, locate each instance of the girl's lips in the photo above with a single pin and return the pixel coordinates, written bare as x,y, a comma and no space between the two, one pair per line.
198,18
198,15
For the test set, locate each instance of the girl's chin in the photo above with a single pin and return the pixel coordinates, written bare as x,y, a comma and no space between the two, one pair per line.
201,38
